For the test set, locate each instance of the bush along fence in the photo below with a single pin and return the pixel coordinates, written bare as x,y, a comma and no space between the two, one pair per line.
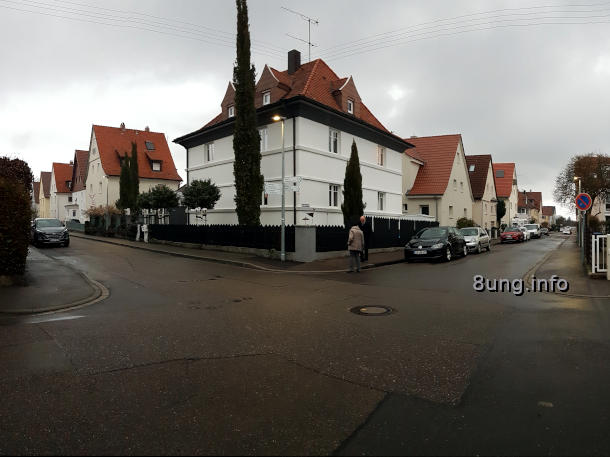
256,237
110,225
386,233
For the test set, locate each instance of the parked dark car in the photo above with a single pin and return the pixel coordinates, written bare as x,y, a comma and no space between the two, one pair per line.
544,231
49,231
442,243
512,234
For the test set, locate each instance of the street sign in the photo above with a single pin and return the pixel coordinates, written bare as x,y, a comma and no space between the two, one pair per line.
273,188
293,183
583,201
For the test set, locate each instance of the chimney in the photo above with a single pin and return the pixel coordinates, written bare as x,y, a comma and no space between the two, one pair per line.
294,61
147,129
123,126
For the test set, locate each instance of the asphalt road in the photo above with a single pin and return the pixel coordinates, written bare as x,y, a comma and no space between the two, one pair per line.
188,357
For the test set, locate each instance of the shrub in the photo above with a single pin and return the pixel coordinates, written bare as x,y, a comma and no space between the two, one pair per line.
465,222
15,219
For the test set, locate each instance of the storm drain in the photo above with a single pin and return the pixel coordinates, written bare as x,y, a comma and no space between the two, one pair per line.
372,310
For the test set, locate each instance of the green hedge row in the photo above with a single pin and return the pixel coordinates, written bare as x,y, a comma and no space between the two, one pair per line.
15,220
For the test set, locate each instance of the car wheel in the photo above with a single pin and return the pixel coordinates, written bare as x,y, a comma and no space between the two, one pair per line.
489,246
479,250
67,243
448,254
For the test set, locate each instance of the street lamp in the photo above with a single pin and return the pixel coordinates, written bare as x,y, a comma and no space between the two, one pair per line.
581,228
278,118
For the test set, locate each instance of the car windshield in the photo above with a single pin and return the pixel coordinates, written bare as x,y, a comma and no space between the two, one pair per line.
469,231
432,233
45,223
531,226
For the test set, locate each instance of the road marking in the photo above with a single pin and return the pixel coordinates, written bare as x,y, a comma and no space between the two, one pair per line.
39,320
545,404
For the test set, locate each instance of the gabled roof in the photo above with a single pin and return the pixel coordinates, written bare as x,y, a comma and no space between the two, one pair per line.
45,179
438,152
115,142
478,176
317,81
63,174
79,172
548,210
504,185
534,200
36,191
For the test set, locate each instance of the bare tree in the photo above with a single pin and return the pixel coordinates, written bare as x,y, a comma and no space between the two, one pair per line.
594,173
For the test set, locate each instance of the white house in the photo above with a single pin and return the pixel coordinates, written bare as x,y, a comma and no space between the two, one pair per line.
324,116
44,197
108,147
481,173
505,175
76,208
61,195
436,182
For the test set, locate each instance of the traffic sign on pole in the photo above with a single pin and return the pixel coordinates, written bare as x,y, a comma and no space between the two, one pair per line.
583,201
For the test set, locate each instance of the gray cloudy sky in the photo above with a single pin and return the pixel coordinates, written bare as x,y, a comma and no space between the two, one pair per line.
525,93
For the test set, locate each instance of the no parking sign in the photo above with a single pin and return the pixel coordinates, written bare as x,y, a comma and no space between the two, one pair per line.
583,201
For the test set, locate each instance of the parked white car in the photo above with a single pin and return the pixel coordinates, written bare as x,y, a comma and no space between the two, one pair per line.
526,234
566,230
534,230
476,238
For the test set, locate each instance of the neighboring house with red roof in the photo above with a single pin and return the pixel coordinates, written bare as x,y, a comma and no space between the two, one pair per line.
78,205
530,206
61,195
44,199
324,115
35,198
505,176
481,173
549,215
440,187
108,147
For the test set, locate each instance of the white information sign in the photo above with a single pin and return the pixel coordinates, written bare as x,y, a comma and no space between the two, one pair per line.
273,188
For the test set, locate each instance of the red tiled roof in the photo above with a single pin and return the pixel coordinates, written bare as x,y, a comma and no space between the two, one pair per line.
534,200
548,210
317,81
79,172
45,179
478,176
63,174
504,186
439,154
114,142
36,191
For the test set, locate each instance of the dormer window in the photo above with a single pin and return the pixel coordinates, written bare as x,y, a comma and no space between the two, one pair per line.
350,106
150,145
471,168
499,173
266,98
156,165
68,184
231,111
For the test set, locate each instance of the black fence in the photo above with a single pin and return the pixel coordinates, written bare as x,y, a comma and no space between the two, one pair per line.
257,237
386,233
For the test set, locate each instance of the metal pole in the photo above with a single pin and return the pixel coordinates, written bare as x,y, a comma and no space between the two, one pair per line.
283,252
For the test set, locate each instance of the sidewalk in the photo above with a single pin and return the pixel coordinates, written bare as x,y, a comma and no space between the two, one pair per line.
50,286
251,261
565,263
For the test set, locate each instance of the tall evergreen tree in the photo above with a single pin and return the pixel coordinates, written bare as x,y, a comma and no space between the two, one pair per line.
352,205
134,181
249,182
124,186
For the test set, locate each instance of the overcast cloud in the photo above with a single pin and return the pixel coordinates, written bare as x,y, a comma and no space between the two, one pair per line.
534,95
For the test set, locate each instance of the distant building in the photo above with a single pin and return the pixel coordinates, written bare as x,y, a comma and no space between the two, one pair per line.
77,207
61,195
505,176
44,200
35,198
481,173
548,215
530,206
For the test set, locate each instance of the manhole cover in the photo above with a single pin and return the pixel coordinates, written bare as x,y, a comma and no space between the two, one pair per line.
372,310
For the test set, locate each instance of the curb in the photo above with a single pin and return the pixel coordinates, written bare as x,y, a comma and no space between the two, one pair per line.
100,292
236,263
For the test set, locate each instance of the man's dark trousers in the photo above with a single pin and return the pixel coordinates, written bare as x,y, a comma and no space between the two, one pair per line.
366,230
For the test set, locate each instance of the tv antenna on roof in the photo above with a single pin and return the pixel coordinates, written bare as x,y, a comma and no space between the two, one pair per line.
309,21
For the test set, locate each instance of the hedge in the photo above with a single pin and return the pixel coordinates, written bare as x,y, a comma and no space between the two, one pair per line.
15,220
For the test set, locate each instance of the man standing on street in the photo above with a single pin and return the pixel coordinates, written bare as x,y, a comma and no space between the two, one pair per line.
366,230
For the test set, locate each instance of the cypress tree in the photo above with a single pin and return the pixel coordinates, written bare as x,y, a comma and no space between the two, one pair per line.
249,182
124,185
134,175
352,205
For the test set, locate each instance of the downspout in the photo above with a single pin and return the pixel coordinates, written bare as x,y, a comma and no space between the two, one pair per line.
294,167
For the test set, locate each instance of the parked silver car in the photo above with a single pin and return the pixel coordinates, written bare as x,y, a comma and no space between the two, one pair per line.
534,230
476,238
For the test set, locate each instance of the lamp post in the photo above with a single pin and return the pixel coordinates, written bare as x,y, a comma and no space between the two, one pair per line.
581,229
277,118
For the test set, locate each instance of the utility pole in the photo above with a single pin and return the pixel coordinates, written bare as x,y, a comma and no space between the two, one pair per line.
309,22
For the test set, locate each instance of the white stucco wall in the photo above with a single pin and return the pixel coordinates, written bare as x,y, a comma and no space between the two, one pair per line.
484,210
315,164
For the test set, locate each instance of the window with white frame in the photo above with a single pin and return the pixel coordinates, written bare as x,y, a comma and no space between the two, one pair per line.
266,98
406,207
333,141
231,111
350,106
263,135
209,152
381,156
156,165
333,195
471,168
380,201
450,211
265,199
